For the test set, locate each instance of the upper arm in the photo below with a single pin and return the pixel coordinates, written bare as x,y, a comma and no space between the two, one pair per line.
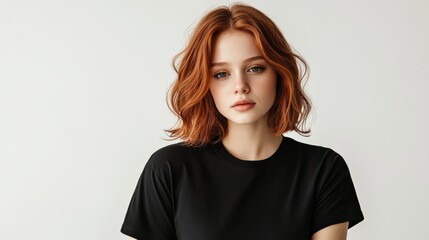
151,210
335,196
332,232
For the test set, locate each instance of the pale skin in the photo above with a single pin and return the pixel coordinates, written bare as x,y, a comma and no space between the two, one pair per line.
239,72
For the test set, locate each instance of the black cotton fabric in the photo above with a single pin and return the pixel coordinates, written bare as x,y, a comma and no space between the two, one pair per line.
190,193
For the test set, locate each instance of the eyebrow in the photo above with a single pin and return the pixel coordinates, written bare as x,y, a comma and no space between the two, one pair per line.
247,60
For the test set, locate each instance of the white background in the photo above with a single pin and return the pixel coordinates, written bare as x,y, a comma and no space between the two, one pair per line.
82,106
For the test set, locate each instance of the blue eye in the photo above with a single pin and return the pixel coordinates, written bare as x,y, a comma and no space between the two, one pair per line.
256,69
221,75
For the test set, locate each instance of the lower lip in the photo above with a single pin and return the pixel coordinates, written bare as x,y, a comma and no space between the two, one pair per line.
244,107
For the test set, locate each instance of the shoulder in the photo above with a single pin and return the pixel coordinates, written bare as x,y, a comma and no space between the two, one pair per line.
173,156
317,157
309,150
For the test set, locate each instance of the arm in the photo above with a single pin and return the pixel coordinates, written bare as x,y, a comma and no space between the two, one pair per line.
150,212
332,232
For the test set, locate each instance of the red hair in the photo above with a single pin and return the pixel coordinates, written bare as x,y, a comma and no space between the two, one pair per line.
199,121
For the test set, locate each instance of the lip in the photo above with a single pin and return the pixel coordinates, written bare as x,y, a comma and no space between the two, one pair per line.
243,102
243,105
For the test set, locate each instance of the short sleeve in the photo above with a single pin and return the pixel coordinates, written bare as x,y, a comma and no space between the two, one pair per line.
150,212
336,198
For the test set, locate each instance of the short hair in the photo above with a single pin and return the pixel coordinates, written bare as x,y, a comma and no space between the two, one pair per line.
199,122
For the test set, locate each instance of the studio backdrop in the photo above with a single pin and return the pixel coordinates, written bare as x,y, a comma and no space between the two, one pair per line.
83,105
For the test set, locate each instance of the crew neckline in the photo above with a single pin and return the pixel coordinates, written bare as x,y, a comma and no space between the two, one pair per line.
227,156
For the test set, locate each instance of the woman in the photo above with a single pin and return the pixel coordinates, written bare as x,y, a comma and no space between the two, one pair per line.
234,175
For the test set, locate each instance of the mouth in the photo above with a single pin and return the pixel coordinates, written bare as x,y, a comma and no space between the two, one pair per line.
243,105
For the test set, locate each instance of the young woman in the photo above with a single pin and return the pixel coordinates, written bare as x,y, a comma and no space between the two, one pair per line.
234,175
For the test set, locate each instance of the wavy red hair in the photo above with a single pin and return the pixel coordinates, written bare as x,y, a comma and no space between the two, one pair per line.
189,98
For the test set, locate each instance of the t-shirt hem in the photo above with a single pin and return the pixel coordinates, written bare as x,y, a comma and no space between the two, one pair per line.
131,233
352,222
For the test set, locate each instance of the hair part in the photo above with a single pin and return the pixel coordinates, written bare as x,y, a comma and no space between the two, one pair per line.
199,122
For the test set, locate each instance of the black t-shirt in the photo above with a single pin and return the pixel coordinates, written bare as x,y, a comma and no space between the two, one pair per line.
205,193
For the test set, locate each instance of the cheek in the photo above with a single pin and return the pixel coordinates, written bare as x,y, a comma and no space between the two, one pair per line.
215,95
269,86
212,93
217,91
268,91
273,84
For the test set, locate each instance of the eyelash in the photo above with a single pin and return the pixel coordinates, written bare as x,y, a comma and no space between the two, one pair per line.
217,75
260,69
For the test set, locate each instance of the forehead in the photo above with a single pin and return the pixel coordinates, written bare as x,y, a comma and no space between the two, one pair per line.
234,46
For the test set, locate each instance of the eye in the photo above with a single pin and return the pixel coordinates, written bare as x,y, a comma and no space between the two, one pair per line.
221,75
256,69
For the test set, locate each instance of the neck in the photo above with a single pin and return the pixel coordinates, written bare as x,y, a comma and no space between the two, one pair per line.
251,142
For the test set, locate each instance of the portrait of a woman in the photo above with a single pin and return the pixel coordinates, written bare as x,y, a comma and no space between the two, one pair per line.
234,175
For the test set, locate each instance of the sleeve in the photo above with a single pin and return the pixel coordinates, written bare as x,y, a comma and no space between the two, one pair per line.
336,199
151,210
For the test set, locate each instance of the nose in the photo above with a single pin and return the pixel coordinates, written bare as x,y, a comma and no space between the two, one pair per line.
241,85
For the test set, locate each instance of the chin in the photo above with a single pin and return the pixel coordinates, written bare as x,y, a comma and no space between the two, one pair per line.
244,121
